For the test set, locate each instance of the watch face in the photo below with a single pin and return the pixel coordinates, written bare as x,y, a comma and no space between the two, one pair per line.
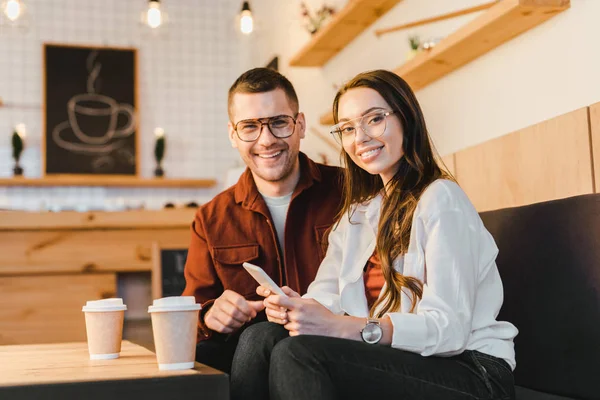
372,333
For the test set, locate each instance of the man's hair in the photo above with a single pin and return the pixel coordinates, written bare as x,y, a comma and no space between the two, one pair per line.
260,80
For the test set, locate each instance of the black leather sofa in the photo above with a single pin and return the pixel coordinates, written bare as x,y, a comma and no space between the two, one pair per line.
549,261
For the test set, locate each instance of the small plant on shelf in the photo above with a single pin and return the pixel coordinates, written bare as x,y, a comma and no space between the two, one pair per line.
313,21
18,144
415,43
159,151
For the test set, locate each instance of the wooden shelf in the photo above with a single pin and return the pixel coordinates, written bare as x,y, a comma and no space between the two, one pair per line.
499,24
327,119
346,24
133,219
112,181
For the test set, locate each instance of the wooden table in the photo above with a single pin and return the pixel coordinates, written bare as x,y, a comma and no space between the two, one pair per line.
64,371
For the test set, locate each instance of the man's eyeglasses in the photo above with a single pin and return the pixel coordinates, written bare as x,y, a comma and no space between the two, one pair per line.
280,126
372,124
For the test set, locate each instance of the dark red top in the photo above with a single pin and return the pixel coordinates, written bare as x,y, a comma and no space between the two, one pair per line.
374,280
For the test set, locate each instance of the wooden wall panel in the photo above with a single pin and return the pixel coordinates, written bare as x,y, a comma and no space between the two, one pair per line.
35,252
448,160
547,161
595,138
47,309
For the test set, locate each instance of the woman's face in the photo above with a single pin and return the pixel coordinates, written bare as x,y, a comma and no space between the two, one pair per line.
372,139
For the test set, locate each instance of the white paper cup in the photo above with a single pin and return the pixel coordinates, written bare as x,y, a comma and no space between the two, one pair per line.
104,327
175,327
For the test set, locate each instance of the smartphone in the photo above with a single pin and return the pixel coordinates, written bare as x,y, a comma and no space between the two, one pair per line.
261,277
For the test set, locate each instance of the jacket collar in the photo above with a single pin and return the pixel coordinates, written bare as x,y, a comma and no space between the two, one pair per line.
247,193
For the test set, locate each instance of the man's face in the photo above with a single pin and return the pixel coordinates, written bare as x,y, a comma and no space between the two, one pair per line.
269,158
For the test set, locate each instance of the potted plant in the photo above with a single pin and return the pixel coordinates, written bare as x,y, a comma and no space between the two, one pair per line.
414,43
18,144
314,21
159,151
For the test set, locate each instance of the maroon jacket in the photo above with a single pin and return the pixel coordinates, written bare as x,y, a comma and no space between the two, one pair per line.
236,227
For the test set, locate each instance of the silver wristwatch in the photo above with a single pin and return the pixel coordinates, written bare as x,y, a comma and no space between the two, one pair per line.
372,332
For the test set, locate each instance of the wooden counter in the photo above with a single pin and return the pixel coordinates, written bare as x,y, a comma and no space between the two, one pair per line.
108,181
51,263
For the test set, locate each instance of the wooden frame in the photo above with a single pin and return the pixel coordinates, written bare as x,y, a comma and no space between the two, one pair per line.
136,109
156,274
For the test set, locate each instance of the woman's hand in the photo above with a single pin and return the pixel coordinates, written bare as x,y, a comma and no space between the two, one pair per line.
276,314
303,316
264,292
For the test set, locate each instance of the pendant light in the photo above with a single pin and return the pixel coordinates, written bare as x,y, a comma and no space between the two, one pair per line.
246,21
14,16
13,9
154,16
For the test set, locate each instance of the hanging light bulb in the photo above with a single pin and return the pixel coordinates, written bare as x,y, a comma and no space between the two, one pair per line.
154,17
13,9
246,22
15,16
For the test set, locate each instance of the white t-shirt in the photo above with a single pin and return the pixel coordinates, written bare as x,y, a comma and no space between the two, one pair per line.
278,207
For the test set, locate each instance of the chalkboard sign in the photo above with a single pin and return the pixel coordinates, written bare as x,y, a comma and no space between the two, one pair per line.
167,272
90,111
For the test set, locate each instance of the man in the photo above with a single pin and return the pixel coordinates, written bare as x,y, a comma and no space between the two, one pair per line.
275,216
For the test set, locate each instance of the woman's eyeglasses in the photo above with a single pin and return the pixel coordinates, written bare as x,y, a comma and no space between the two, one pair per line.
372,124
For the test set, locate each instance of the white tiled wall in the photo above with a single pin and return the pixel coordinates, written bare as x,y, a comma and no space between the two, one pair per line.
183,76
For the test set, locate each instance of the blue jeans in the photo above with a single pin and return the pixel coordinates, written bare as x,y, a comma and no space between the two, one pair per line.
268,363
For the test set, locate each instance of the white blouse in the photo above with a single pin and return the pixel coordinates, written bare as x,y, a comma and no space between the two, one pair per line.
451,252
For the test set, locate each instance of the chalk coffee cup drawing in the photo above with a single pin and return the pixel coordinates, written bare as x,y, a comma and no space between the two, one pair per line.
104,327
175,327
93,118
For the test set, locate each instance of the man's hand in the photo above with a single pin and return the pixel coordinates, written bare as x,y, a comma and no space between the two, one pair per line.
230,312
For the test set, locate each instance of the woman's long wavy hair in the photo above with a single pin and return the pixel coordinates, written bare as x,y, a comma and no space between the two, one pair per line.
417,169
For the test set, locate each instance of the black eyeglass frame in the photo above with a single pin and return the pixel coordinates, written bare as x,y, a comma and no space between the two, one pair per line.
266,121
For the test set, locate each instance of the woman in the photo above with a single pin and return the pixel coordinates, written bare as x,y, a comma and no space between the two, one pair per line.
405,302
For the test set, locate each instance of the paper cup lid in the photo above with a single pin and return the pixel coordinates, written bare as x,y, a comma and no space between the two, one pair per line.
174,303
104,305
